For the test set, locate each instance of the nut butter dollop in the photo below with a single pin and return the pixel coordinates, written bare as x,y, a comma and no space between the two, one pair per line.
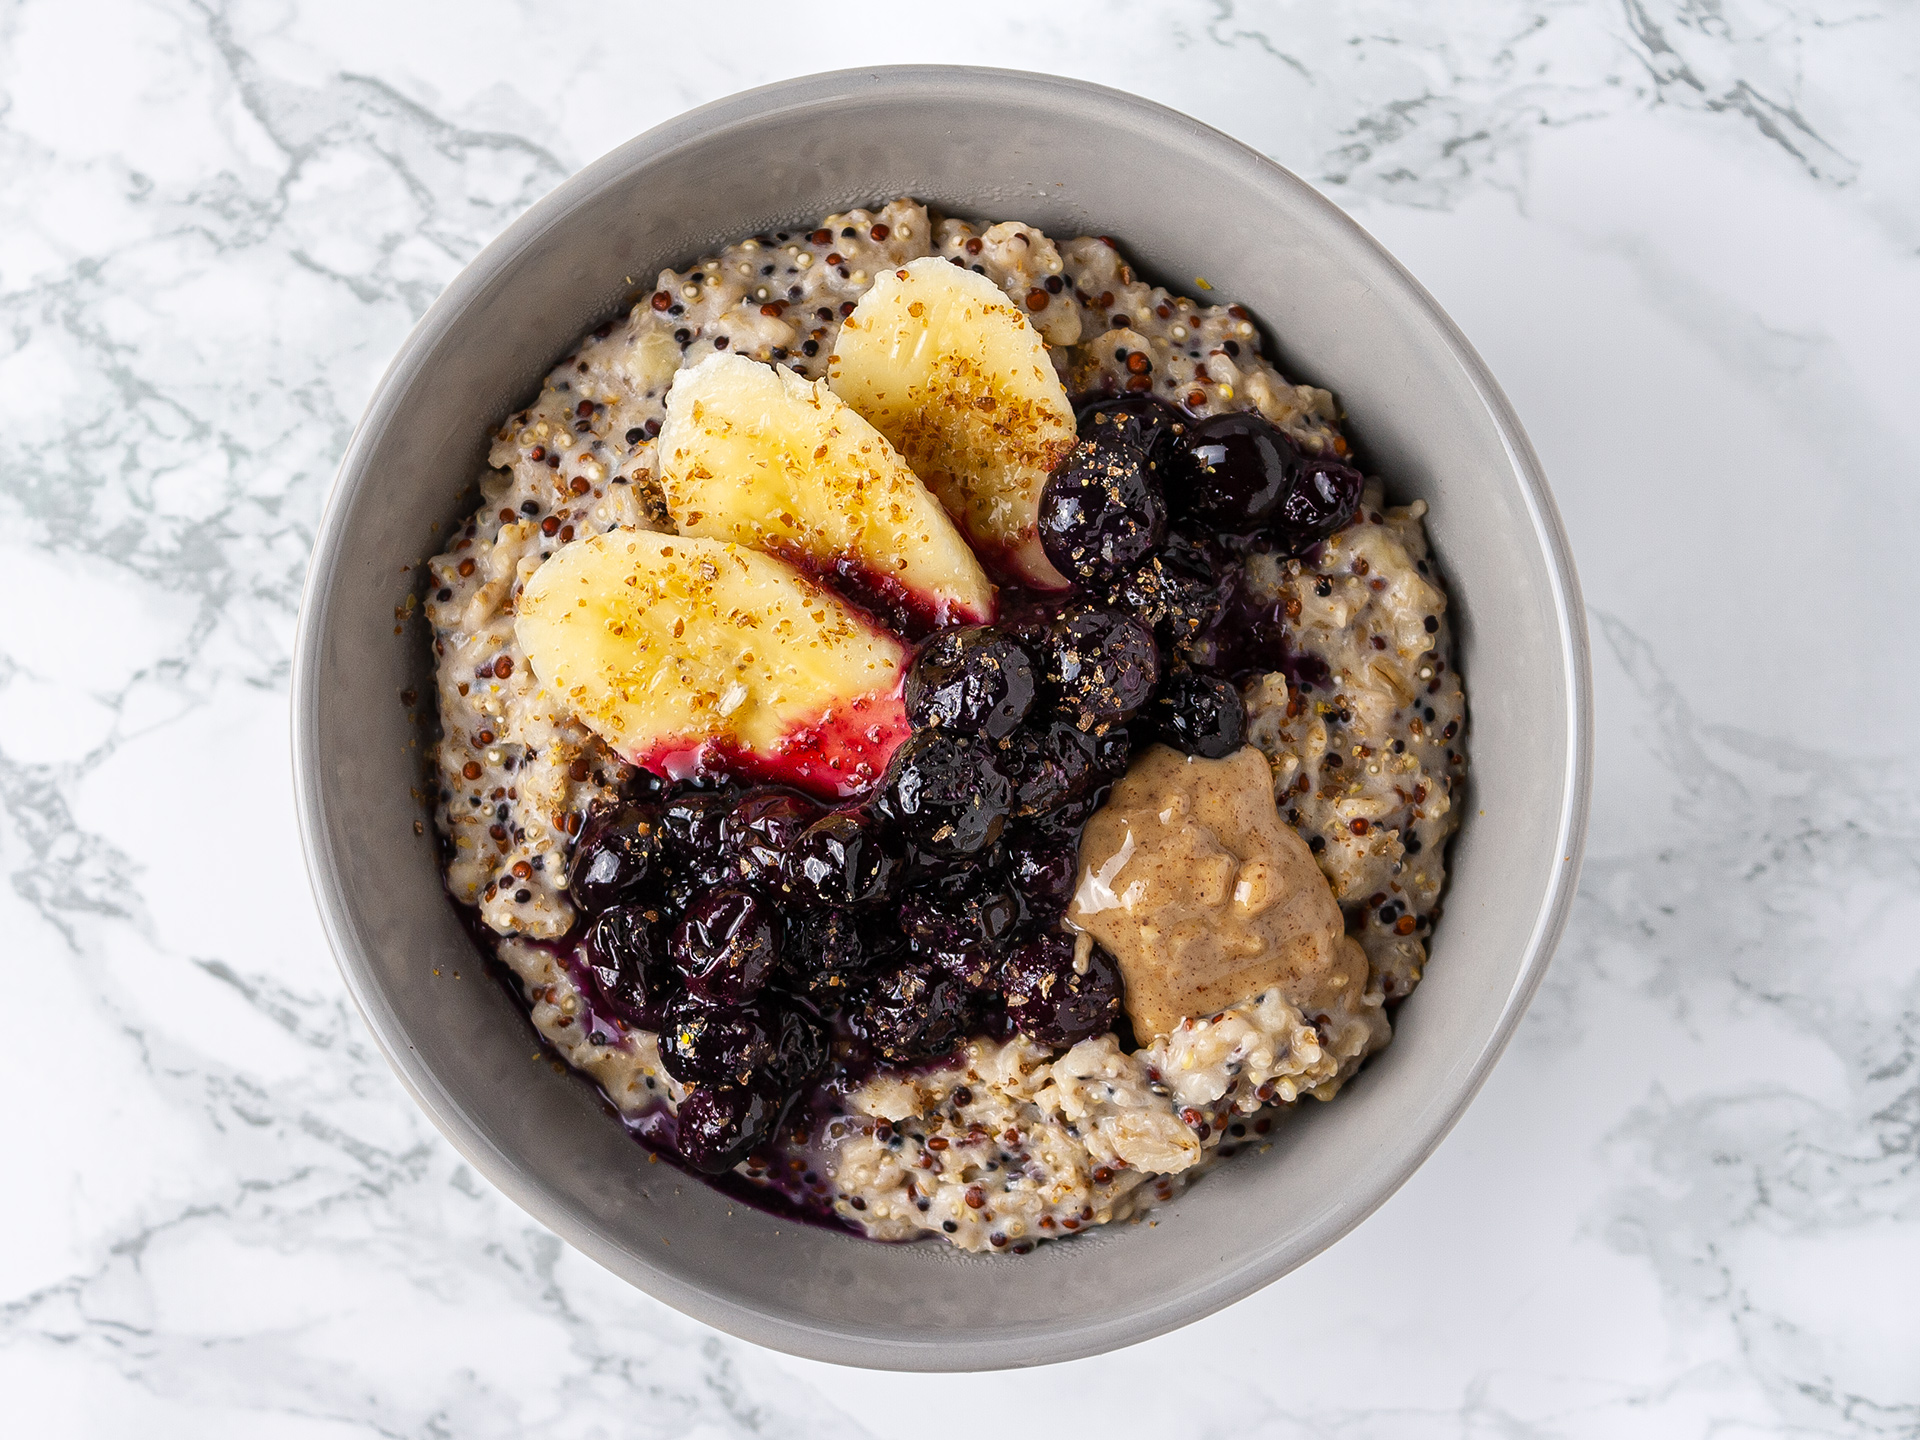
1206,897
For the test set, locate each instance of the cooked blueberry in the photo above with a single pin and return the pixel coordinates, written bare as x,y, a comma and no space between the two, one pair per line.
911,1013
828,953
690,822
759,830
964,935
1053,765
1044,869
989,1015
972,681
718,1126
841,859
1199,714
690,861
625,952
1208,556
618,848
1321,500
1238,474
1180,592
1028,623
1112,748
974,969
1143,421
947,793
1050,998
644,785
947,874
682,883
1101,512
1101,665
985,916
1232,471
726,947
721,1047
1155,592
1066,818
800,1050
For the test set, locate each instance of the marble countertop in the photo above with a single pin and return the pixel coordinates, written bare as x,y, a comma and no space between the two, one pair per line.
1684,234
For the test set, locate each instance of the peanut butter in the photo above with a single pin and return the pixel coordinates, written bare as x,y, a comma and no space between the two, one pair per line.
1205,896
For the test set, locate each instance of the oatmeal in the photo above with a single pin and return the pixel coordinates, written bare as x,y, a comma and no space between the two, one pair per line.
865,924
1366,762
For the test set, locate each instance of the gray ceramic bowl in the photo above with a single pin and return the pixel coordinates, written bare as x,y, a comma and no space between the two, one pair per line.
1185,201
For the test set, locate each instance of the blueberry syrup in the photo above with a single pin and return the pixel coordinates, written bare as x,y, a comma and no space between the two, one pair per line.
774,1188
595,1019
840,754
1249,636
771,1183
891,879
883,598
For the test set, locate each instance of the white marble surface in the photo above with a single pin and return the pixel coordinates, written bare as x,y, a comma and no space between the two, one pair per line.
1683,232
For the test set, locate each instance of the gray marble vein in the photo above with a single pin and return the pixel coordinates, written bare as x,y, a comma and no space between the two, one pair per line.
1683,231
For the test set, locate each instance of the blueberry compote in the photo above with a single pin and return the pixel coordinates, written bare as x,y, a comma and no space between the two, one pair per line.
781,947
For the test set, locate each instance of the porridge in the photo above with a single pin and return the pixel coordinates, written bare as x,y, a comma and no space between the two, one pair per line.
935,728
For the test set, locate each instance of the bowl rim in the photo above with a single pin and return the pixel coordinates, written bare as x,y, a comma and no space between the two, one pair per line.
778,1331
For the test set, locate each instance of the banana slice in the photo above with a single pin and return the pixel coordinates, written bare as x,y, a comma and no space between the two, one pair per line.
949,370
686,654
759,455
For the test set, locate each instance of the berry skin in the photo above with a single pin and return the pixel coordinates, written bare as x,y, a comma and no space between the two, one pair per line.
1180,592
1049,767
718,1126
1145,422
759,830
963,935
974,681
1199,715
681,885
1239,475
1231,473
800,1050
1066,819
721,1121
690,860
1102,513
690,824
946,793
840,860
618,849
1321,501
829,953
1101,665
912,1013
625,954
718,1047
974,969
1047,998
982,918
1061,764
1043,869
726,947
